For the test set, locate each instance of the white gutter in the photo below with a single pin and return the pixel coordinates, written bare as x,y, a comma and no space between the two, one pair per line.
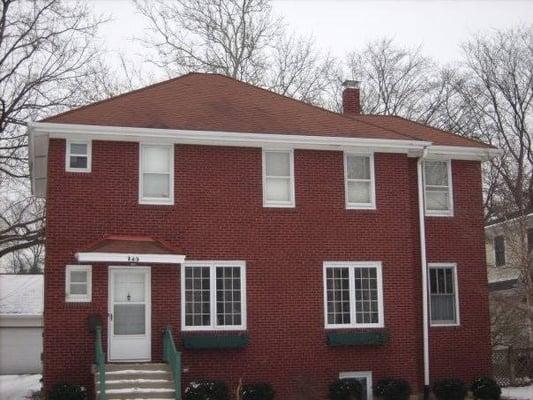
423,263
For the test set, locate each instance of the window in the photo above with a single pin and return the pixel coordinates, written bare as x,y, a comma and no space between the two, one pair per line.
438,188
444,305
213,295
156,184
353,295
78,156
359,181
529,240
499,250
364,377
278,178
78,283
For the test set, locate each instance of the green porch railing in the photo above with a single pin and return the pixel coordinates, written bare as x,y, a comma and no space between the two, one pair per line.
173,358
100,362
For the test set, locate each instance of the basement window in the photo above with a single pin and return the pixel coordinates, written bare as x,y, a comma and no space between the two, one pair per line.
364,378
78,156
78,283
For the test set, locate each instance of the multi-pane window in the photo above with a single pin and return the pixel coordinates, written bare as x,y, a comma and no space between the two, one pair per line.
213,295
359,181
444,304
438,188
78,156
499,250
156,174
353,294
278,179
78,283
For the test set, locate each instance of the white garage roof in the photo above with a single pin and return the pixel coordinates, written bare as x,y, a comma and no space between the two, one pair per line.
21,294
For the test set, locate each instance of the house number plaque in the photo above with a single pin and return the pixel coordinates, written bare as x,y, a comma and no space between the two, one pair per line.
133,259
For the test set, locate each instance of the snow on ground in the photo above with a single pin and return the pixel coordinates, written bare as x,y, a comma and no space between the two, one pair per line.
518,393
18,387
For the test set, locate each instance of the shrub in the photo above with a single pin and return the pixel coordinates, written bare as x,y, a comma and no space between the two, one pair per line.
393,389
207,390
486,389
257,391
346,389
67,391
449,389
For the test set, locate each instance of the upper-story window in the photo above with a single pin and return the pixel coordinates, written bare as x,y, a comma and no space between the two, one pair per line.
438,188
353,295
156,177
213,295
359,181
278,178
78,156
499,250
444,304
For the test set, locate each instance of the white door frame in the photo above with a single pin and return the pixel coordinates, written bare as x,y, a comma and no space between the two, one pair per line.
148,309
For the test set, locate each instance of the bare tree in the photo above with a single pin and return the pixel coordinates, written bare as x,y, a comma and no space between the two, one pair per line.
47,60
397,81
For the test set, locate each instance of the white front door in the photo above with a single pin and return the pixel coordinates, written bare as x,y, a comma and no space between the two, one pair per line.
129,314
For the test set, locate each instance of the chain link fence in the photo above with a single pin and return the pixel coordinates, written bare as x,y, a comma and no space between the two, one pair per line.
513,367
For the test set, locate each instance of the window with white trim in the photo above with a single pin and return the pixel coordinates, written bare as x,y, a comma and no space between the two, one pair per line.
156,177
278,178
213,295
78,156
444,305
359,181
78,283
438,188
364,378
353,295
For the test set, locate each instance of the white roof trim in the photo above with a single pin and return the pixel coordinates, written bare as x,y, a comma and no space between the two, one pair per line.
94,257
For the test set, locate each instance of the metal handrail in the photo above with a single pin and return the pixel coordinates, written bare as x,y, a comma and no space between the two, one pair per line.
173,358
100,362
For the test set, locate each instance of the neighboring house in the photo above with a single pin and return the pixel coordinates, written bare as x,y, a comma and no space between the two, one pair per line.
505,264
21,323
280,242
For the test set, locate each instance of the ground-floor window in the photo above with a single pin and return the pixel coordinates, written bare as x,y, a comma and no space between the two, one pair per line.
364,377
444,305
213,295
353,294
78,283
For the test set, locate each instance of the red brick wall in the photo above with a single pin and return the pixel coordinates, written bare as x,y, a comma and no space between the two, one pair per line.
218,214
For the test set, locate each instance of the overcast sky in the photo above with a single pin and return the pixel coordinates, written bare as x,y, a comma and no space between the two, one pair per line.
340,26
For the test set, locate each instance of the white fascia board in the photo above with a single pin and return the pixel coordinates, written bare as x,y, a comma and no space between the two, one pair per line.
462,153
216,138
94,257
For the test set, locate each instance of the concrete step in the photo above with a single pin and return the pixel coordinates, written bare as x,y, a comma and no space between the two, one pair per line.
140,383
138,394
136,366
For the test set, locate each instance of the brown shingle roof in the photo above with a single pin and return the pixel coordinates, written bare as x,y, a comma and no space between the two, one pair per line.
131,244
212,102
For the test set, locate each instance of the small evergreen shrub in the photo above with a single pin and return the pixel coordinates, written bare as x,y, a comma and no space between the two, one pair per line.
257,391
67,391
485,389
346,389
449,389
207,390
393,389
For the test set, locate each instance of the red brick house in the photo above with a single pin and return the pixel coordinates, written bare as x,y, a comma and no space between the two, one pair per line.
280,242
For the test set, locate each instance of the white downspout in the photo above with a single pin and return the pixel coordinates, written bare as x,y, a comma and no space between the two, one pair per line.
423,263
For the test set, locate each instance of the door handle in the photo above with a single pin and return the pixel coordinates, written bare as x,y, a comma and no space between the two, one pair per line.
110,315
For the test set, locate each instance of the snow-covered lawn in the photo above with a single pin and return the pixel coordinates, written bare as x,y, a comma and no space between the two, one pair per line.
518,393
17,387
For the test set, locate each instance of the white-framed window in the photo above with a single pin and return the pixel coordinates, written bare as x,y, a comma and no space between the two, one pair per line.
78,156
156,174
78,283
278,178
213,295
438,188
353,294
363,377
443,292
359,181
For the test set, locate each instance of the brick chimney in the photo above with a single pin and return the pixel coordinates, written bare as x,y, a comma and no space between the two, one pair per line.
350,97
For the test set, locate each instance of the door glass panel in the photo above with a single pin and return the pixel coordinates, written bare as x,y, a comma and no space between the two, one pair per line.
129,287
129,319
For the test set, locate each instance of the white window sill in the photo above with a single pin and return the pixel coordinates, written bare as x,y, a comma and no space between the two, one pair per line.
358,326
156,202
443,325
279,205
77,299
212,328
360,206
80,170
430,213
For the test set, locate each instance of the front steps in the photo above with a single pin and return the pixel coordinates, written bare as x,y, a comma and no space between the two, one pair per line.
137,381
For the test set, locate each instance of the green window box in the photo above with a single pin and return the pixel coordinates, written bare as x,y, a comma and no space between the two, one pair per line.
357,338
215,341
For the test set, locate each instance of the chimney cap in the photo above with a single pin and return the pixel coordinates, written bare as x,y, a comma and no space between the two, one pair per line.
351,84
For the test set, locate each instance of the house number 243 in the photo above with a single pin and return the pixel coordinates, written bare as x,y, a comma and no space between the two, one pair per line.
133,259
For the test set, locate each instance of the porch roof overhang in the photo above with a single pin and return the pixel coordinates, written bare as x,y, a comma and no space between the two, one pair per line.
131,250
